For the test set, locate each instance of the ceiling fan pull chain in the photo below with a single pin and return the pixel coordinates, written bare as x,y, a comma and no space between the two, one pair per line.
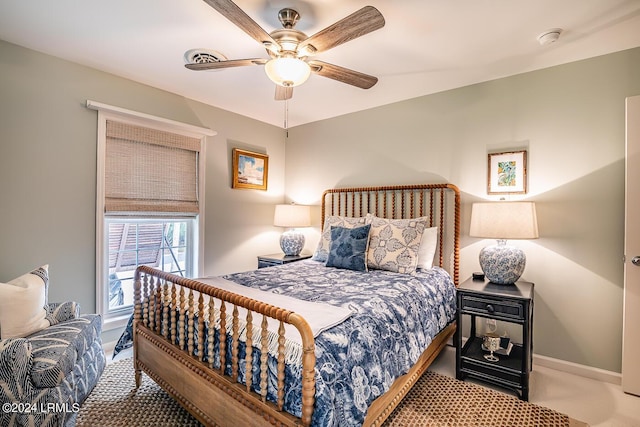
286,117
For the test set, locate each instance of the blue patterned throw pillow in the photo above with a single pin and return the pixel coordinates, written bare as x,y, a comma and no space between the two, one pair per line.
395,243
348,248
322,252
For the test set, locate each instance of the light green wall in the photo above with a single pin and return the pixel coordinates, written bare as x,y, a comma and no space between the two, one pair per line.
48,172
570,118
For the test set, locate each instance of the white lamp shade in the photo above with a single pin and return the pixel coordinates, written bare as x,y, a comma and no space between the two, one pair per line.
504,220
292,216
287,71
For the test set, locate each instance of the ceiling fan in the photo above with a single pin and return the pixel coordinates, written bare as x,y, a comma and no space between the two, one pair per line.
290,49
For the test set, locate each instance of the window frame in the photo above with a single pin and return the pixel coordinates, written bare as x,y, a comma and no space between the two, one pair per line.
119,318
190,267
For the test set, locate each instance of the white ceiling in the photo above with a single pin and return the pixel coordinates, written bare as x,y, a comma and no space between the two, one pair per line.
426,46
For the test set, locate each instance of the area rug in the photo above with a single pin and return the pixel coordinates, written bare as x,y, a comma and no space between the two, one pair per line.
441,401
435,400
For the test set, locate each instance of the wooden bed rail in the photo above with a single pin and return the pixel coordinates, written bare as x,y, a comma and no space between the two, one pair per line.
440,203
178,309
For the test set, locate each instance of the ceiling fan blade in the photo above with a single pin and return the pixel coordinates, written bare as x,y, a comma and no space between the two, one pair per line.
283,93
344,75
357,24
225,64
233,13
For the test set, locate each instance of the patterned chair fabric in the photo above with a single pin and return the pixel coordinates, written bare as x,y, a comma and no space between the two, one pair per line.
48,374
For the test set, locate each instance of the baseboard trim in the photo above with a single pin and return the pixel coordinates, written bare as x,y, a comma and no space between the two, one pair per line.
577,369
108,347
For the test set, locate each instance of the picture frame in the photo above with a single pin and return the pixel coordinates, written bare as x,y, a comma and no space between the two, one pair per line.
250,170
507,172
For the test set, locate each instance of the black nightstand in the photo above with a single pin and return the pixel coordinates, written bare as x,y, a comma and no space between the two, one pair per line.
278,259
507,303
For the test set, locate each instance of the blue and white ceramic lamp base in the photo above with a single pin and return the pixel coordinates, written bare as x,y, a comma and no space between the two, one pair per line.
502,264
292,242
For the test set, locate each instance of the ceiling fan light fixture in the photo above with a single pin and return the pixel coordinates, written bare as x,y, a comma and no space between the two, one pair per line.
287,71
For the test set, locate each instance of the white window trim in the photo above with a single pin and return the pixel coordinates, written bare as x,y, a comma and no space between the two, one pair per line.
109,112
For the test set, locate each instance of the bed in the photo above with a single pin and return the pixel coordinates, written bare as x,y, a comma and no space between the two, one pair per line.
310,343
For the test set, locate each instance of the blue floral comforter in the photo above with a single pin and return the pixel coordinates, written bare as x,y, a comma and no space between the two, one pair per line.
395,318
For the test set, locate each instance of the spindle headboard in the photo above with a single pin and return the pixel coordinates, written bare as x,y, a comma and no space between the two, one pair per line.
440,203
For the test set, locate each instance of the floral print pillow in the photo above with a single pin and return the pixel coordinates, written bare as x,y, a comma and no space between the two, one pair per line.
394,243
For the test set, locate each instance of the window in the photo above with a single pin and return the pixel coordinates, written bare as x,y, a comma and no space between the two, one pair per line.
148,205
165,244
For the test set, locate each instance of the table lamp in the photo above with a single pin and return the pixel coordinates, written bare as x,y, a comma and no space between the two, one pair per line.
502,263
291,217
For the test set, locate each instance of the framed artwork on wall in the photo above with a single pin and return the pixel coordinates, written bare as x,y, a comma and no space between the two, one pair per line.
507,173
250,170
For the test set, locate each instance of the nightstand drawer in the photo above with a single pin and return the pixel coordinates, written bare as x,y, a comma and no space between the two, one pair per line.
502,308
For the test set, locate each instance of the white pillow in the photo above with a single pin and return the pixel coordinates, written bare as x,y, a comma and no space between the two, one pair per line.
22,304
427,250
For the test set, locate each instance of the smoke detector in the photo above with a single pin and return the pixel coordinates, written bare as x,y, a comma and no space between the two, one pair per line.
203,56
549,36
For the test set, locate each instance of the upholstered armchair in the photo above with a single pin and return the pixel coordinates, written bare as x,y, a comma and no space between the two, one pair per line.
46,375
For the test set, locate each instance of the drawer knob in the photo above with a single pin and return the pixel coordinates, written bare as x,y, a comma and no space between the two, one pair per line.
490,308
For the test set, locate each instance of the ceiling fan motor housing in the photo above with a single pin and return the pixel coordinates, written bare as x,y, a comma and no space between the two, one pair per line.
288,17
288,39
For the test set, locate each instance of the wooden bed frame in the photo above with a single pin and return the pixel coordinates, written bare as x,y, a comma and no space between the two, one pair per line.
217,398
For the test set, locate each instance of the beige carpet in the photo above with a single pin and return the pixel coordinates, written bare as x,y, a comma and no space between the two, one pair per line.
435,400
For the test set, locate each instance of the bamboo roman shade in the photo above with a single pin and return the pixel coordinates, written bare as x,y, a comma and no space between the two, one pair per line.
148,170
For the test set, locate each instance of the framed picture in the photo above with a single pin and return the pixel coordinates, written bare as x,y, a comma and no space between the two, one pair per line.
507,173
250,170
